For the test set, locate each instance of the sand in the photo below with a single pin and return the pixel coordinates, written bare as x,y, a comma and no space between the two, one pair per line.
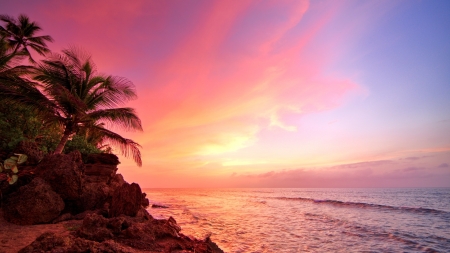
15,237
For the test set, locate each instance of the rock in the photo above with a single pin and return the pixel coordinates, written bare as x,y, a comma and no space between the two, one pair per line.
100,172
33,203
126,200
51,242
122,234
117,181
94,228
145,202
63,217
159,206
63,173
30,149
143,213
213,246
93,196
102,158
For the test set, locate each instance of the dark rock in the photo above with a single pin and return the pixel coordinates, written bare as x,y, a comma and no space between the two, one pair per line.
95,228
83,215
213,246
126,200
122,234
30,149
117,181
102,158
53,243
63,217
143,213
93,196
103,172
159,206
145,202
34,203
63,172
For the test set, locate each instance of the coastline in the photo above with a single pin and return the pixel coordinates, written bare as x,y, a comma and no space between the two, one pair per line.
65,205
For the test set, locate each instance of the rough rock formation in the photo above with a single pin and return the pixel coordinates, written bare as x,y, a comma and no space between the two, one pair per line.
122,234
113,211
81,189
51,242
109,159
127,200
32,150
34,203
63,173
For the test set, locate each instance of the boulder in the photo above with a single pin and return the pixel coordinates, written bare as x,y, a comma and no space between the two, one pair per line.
117,181
51,242
145,202
99,172
64,174
30,149
126,200
33,203
94,228
102,158
93,196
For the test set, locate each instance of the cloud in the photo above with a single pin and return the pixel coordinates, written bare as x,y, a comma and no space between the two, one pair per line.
364,164
412,169
443,165
236,73
330,177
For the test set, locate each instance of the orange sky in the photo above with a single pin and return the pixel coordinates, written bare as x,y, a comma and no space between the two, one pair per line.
267,94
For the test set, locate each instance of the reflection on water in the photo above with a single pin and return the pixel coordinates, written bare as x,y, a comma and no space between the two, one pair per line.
312,220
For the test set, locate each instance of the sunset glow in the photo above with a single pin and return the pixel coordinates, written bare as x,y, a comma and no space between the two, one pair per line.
273,93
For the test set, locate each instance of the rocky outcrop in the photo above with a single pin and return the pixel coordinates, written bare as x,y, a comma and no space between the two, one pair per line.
85,187
109,159
51,242
32,150
64,174
33,203
122,234
127,200
63,189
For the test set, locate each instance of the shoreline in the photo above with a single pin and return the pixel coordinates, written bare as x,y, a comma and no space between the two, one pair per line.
65,205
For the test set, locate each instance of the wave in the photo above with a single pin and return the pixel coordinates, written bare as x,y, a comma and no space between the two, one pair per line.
367,205
414,242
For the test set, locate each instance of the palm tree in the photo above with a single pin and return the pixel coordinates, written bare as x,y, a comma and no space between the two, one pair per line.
20,35
67,90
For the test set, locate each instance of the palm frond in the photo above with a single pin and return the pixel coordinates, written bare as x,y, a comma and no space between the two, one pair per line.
127,147
125,118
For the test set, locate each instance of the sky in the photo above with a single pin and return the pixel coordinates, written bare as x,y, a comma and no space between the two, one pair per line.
272,93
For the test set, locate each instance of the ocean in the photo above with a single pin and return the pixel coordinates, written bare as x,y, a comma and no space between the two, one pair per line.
311,220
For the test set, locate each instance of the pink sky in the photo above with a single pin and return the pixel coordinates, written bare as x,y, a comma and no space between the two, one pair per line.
263,94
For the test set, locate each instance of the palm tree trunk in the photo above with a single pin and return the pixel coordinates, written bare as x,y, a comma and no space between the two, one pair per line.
62,142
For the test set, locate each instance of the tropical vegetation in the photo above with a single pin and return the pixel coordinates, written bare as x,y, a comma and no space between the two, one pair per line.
60,102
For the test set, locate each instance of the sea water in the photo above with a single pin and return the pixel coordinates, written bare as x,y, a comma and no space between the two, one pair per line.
311,220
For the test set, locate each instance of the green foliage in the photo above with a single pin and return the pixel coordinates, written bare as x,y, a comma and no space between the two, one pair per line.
60,97
9,167
18,123
80,143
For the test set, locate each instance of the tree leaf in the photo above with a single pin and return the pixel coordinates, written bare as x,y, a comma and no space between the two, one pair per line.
13,179
21,158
